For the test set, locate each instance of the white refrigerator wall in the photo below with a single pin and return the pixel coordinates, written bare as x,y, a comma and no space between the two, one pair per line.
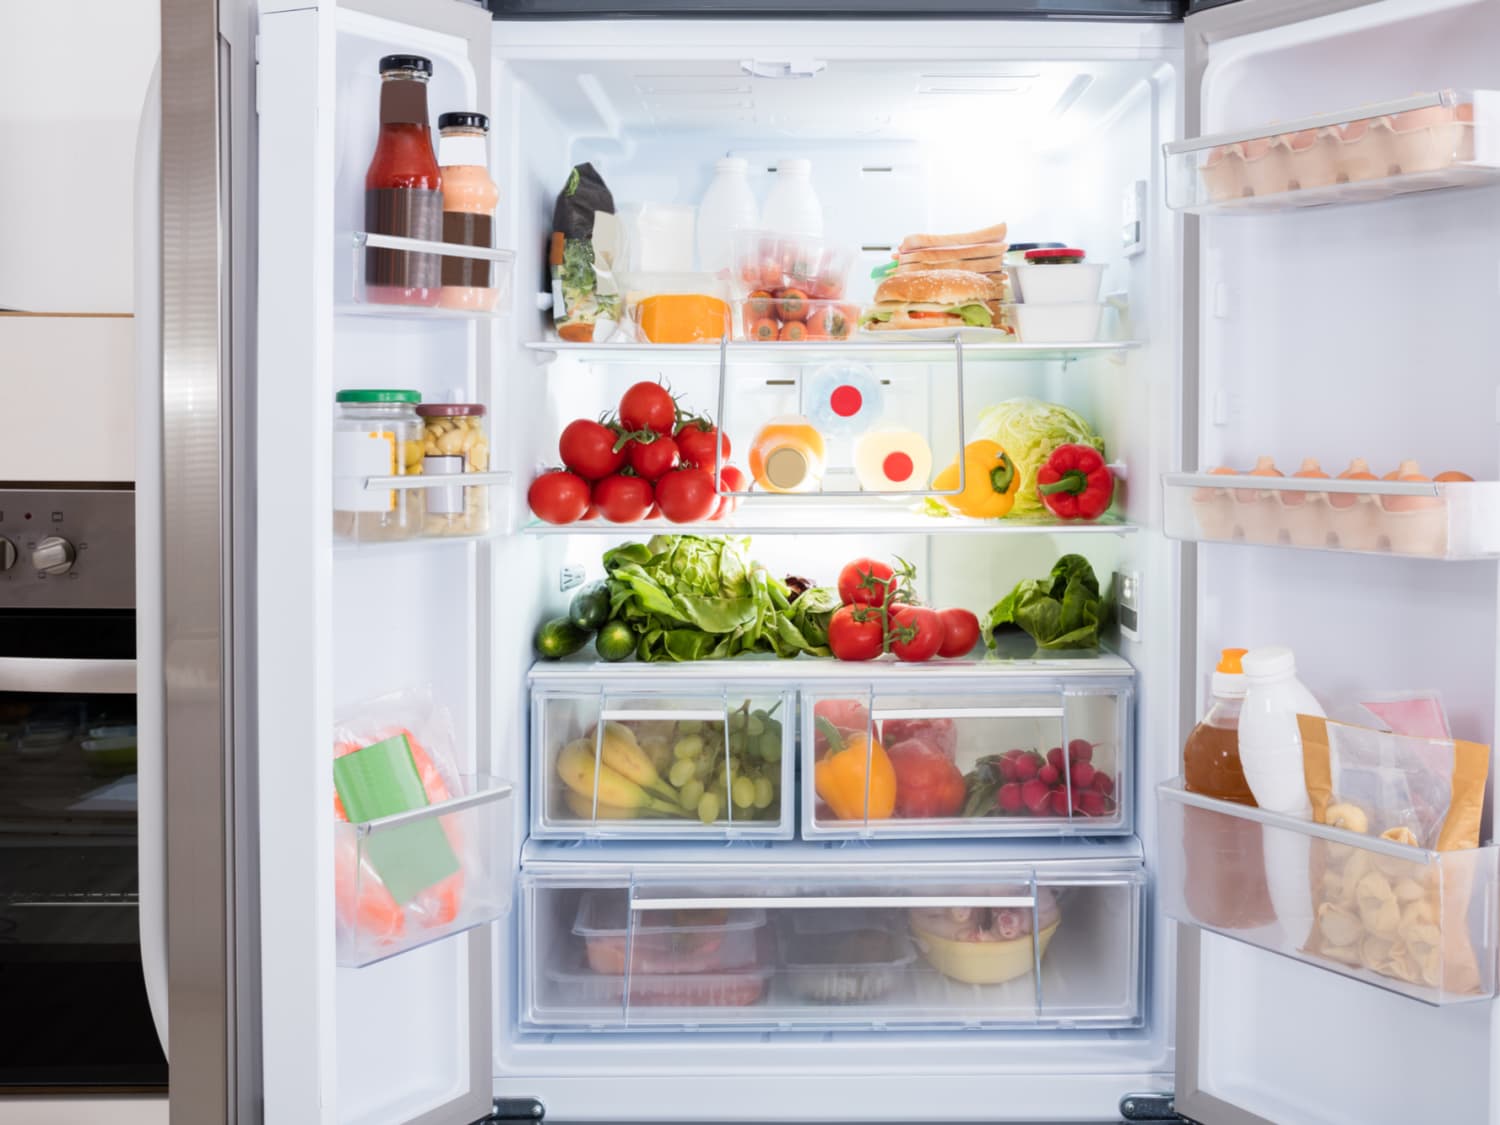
1343,332
571,92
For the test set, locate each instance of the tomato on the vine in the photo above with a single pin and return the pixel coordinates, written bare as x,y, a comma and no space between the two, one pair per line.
559,496
916,632
687,495
623,499
696,440
867,582
588,448
960,632
856,633
648,406
652,459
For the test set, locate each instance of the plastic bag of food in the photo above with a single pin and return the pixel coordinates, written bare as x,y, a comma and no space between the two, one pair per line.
1405,918
390,755
586,247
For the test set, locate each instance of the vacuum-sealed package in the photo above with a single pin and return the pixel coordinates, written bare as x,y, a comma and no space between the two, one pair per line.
586,248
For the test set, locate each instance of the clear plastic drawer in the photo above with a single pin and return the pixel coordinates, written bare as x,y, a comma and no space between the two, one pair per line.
1418,922
818,946
993,757
692,760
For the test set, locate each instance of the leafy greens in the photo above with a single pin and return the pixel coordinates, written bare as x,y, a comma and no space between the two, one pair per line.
1062,611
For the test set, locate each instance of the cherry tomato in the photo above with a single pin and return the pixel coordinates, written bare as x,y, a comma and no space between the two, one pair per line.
762,330
623,499
960,632
652,459
916,633
866,582
791,304
588,448
687,495
730,480
850,639
793,332
558,496
697,444
648,406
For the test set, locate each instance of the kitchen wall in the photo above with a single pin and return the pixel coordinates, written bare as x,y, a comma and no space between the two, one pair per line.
70,100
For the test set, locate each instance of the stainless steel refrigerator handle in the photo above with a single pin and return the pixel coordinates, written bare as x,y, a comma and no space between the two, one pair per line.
75,677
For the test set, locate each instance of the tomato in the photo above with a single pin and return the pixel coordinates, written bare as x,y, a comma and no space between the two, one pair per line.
848,716
916,633
696,441
860,582
558,496
793,332
928,784
648,406
852,639
623,499
730,480
791,304
939,733
960,632
762,330
651,459
588,448
687,495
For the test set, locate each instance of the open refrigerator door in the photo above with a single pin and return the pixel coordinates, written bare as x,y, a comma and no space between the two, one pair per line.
1332,148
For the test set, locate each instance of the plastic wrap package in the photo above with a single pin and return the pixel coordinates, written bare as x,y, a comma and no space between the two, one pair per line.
586,246
1402,918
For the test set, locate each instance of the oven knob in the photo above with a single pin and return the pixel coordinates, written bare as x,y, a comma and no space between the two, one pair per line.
53,555
7,554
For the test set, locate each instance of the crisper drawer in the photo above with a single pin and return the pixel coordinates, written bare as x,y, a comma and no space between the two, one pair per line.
1418,922
1024,756
819,946
672,759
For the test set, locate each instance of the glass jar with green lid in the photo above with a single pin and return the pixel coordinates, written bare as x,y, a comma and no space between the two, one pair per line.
376,433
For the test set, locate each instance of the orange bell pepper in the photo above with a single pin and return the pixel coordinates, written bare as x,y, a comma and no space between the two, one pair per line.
854,768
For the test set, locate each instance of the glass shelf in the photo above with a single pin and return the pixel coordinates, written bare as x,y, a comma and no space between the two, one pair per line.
790,354
1416,519
480,505
357,301
1444,139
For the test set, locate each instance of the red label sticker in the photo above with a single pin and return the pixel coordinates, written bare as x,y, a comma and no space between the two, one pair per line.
846,401
897,467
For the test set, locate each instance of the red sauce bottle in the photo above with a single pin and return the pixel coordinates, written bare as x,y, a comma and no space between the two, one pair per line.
403,188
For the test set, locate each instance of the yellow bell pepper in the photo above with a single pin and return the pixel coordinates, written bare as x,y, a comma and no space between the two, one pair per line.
840,778
990,482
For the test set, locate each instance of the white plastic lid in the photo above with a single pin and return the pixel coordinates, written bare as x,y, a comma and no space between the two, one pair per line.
1270,663
794,167
1229,685
736,164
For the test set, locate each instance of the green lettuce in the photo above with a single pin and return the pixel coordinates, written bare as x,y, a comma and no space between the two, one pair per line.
1029,430
975,316
1062,611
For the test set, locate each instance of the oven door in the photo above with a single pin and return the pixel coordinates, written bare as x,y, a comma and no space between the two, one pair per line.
70,957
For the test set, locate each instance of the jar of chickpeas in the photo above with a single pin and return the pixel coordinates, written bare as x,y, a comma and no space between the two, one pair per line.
454,443
376,433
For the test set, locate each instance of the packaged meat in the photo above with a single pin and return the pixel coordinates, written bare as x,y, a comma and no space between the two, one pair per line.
983,944
579,987
664,942
852,966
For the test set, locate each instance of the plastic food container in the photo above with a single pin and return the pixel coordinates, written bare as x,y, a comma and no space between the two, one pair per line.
376,433
1048,323
675,308
1057,275
845,966
454,443
794,318
581,988
1015,254
765,263
986,945
665,942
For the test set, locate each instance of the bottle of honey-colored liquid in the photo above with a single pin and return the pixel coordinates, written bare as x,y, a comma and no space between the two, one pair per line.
1226,870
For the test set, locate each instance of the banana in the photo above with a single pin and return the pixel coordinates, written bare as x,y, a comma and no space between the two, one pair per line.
624,755
575,765
583,808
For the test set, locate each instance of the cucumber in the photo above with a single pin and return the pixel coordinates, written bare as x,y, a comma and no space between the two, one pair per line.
558,638
615,641
590,608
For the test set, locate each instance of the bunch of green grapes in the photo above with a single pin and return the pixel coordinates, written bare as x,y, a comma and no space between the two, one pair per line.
707,779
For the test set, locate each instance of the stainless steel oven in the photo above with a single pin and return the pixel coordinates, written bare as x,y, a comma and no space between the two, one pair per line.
77,1017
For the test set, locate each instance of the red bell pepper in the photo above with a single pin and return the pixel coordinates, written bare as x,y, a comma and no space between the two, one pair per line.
1075,483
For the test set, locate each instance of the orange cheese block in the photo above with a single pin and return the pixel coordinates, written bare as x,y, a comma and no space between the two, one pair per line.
682,318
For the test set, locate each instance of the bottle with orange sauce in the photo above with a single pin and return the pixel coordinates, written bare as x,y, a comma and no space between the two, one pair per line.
469,199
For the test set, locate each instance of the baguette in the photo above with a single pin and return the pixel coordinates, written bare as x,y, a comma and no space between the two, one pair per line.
912,242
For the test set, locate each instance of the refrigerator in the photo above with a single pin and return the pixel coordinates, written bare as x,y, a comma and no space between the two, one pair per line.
1330,319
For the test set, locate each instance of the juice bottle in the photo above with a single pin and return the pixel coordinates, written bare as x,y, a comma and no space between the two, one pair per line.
1225,861
788,455
403,188
469,198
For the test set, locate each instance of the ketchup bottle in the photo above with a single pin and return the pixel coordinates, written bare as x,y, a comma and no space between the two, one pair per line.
403,188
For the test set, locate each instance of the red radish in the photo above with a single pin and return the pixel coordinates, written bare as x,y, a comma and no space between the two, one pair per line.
1027,766
1034,795
1008,769
1091,804
1050,774
1009,797
1103,783
1059,802
1080,750
1082,775
1055,758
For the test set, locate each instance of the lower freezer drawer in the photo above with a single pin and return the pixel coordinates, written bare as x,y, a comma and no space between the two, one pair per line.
822,947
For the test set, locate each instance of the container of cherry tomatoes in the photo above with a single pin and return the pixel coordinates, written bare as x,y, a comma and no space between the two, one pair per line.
790,288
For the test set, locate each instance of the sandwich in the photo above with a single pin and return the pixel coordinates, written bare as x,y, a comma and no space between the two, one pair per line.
978,251
935,299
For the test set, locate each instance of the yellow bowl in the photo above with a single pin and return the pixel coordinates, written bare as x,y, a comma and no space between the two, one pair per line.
981,962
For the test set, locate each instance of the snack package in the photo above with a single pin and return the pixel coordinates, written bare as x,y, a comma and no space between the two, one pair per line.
586,247
1402,918
392,754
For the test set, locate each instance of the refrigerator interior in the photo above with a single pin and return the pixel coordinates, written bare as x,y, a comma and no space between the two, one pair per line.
1342,332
